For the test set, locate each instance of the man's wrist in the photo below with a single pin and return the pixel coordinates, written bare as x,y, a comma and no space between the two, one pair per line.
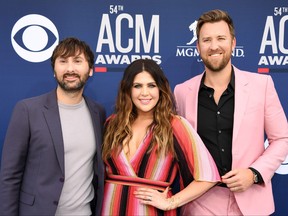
256,176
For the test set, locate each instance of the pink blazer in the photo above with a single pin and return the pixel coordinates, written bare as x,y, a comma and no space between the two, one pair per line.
257,111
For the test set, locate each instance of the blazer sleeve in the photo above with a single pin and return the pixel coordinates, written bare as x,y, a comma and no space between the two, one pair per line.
14,155
276,129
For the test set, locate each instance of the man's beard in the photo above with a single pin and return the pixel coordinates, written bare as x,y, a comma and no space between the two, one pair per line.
72,87
216,66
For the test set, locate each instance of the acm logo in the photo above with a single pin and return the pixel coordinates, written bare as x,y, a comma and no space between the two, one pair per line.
116,49
273,50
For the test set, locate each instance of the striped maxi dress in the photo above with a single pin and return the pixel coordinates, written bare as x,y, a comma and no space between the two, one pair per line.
147,169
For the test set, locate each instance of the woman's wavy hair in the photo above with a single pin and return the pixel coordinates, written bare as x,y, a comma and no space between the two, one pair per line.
118,127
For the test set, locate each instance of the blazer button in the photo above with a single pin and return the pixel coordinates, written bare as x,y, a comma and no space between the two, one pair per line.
55,202
61,179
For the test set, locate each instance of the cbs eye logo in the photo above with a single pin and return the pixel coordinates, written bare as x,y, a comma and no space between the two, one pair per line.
34,38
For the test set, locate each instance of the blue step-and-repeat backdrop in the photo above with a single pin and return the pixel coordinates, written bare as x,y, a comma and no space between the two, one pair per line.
121,31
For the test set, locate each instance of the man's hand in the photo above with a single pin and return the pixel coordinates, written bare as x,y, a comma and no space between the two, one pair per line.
238,180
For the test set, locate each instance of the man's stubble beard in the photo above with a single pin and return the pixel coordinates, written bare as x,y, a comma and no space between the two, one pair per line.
67,87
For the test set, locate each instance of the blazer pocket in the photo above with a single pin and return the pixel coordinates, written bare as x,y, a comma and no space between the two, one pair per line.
27,198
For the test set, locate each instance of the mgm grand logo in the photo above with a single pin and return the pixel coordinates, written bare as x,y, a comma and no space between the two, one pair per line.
190,48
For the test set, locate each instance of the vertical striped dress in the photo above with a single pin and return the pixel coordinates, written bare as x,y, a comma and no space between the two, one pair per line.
147,169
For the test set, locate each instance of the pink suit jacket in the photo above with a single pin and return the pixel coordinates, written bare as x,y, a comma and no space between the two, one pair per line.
257,108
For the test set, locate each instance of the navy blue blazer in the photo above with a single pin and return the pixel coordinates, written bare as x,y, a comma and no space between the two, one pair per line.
32,168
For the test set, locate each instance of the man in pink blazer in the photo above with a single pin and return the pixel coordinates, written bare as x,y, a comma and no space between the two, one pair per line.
233,111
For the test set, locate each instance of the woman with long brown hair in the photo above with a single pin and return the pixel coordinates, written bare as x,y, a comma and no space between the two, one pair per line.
146,145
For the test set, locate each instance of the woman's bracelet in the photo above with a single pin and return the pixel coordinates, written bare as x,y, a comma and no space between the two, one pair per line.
173,203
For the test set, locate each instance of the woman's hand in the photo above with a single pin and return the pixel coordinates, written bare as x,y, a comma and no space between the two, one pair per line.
155,198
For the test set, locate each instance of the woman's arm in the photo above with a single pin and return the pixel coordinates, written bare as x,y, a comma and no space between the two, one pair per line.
161,200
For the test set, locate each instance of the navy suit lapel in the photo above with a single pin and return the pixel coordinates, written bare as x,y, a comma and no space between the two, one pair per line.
52,117
96,119
98,163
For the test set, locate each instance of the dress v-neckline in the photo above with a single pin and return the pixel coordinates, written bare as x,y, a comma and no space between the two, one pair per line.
132,158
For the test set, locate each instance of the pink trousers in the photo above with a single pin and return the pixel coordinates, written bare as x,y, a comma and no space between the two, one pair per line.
217,201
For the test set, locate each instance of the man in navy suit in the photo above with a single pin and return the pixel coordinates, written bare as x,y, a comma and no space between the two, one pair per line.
51,159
